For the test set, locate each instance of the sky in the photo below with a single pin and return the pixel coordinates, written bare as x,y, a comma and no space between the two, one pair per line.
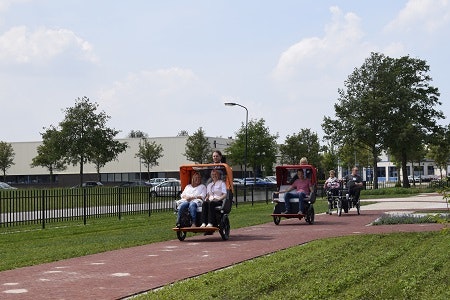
166,66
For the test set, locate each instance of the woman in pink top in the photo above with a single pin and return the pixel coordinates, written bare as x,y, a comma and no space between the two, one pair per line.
302,187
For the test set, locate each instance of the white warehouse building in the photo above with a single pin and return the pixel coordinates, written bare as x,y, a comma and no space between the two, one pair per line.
127,167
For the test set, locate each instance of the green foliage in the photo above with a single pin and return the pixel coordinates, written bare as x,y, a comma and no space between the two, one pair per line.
84,137
387,103
198,148
262,147
302,144
6,157
149,153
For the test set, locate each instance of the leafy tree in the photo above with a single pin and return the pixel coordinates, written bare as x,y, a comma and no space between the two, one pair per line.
303,144
198,148
330,159
412,113
361,112
439,150
137,134
6,157
261,149
149,153
84,136
106,149
50,154
387,104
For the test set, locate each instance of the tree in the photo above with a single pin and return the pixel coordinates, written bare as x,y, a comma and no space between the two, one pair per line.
361,111
261,149
439,150
387,104
303,144
106,149
413,116
6,157
149,153
137,134
84,136
198,148
50,154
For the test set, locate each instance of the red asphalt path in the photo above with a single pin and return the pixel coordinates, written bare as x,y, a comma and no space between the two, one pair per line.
122,273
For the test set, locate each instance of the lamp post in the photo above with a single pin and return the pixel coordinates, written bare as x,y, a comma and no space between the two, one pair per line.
246,145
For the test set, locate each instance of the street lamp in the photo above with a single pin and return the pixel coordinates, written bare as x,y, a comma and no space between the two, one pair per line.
246,145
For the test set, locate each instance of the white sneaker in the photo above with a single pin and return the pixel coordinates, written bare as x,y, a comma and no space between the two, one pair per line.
203,225
209,225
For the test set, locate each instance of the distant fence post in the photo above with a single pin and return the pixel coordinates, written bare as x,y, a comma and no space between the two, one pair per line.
84,206
44,208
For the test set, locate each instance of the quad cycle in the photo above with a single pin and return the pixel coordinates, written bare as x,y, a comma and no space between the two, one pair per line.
222,222
285,176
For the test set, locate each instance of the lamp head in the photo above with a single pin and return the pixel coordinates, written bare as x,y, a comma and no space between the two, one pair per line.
230,104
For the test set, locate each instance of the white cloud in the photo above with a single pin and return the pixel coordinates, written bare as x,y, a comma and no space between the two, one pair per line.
22,46
421,15
343,36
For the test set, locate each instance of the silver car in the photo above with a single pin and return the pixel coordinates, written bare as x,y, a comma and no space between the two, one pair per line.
5,186
170,188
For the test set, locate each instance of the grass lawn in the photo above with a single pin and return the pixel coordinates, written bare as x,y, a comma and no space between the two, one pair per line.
393,266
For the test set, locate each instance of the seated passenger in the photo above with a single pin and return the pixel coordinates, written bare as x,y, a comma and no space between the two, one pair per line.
191,197
216,192
354,184
331,187
302,187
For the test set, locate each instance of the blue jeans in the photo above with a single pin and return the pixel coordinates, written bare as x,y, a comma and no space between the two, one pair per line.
192,206
291,195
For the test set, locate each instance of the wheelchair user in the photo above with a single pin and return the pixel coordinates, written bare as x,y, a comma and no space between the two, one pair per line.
354,184
332,187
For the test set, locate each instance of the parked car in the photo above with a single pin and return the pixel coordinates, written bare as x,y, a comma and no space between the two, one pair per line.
156,181
271,179
134,183
92,184
238,181
414,179
5,186
256,181
169,188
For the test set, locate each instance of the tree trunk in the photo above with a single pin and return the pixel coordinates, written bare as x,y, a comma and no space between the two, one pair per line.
405,173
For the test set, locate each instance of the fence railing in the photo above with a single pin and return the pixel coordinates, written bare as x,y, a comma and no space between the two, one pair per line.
42,206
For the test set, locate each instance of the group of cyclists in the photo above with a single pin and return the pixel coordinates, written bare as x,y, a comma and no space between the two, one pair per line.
352,184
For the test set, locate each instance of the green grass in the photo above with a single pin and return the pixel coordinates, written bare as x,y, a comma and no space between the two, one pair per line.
71,239
392,266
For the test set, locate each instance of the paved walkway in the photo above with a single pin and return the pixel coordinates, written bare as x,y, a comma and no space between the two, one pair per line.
122,273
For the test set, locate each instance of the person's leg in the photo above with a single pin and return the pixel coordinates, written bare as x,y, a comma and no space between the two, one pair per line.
287,204
357,192
205,212
212,212
181,208
301,205
193,211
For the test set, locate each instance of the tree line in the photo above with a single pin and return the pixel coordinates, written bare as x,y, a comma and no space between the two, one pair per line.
387,104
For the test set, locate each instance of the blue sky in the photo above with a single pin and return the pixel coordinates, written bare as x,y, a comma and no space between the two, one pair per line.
166,66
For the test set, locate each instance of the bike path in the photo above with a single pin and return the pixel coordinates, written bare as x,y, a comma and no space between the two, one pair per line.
122,273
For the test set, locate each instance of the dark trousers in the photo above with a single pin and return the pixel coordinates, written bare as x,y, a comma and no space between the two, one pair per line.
209,211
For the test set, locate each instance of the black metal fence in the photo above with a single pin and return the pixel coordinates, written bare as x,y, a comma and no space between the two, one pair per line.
42,206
